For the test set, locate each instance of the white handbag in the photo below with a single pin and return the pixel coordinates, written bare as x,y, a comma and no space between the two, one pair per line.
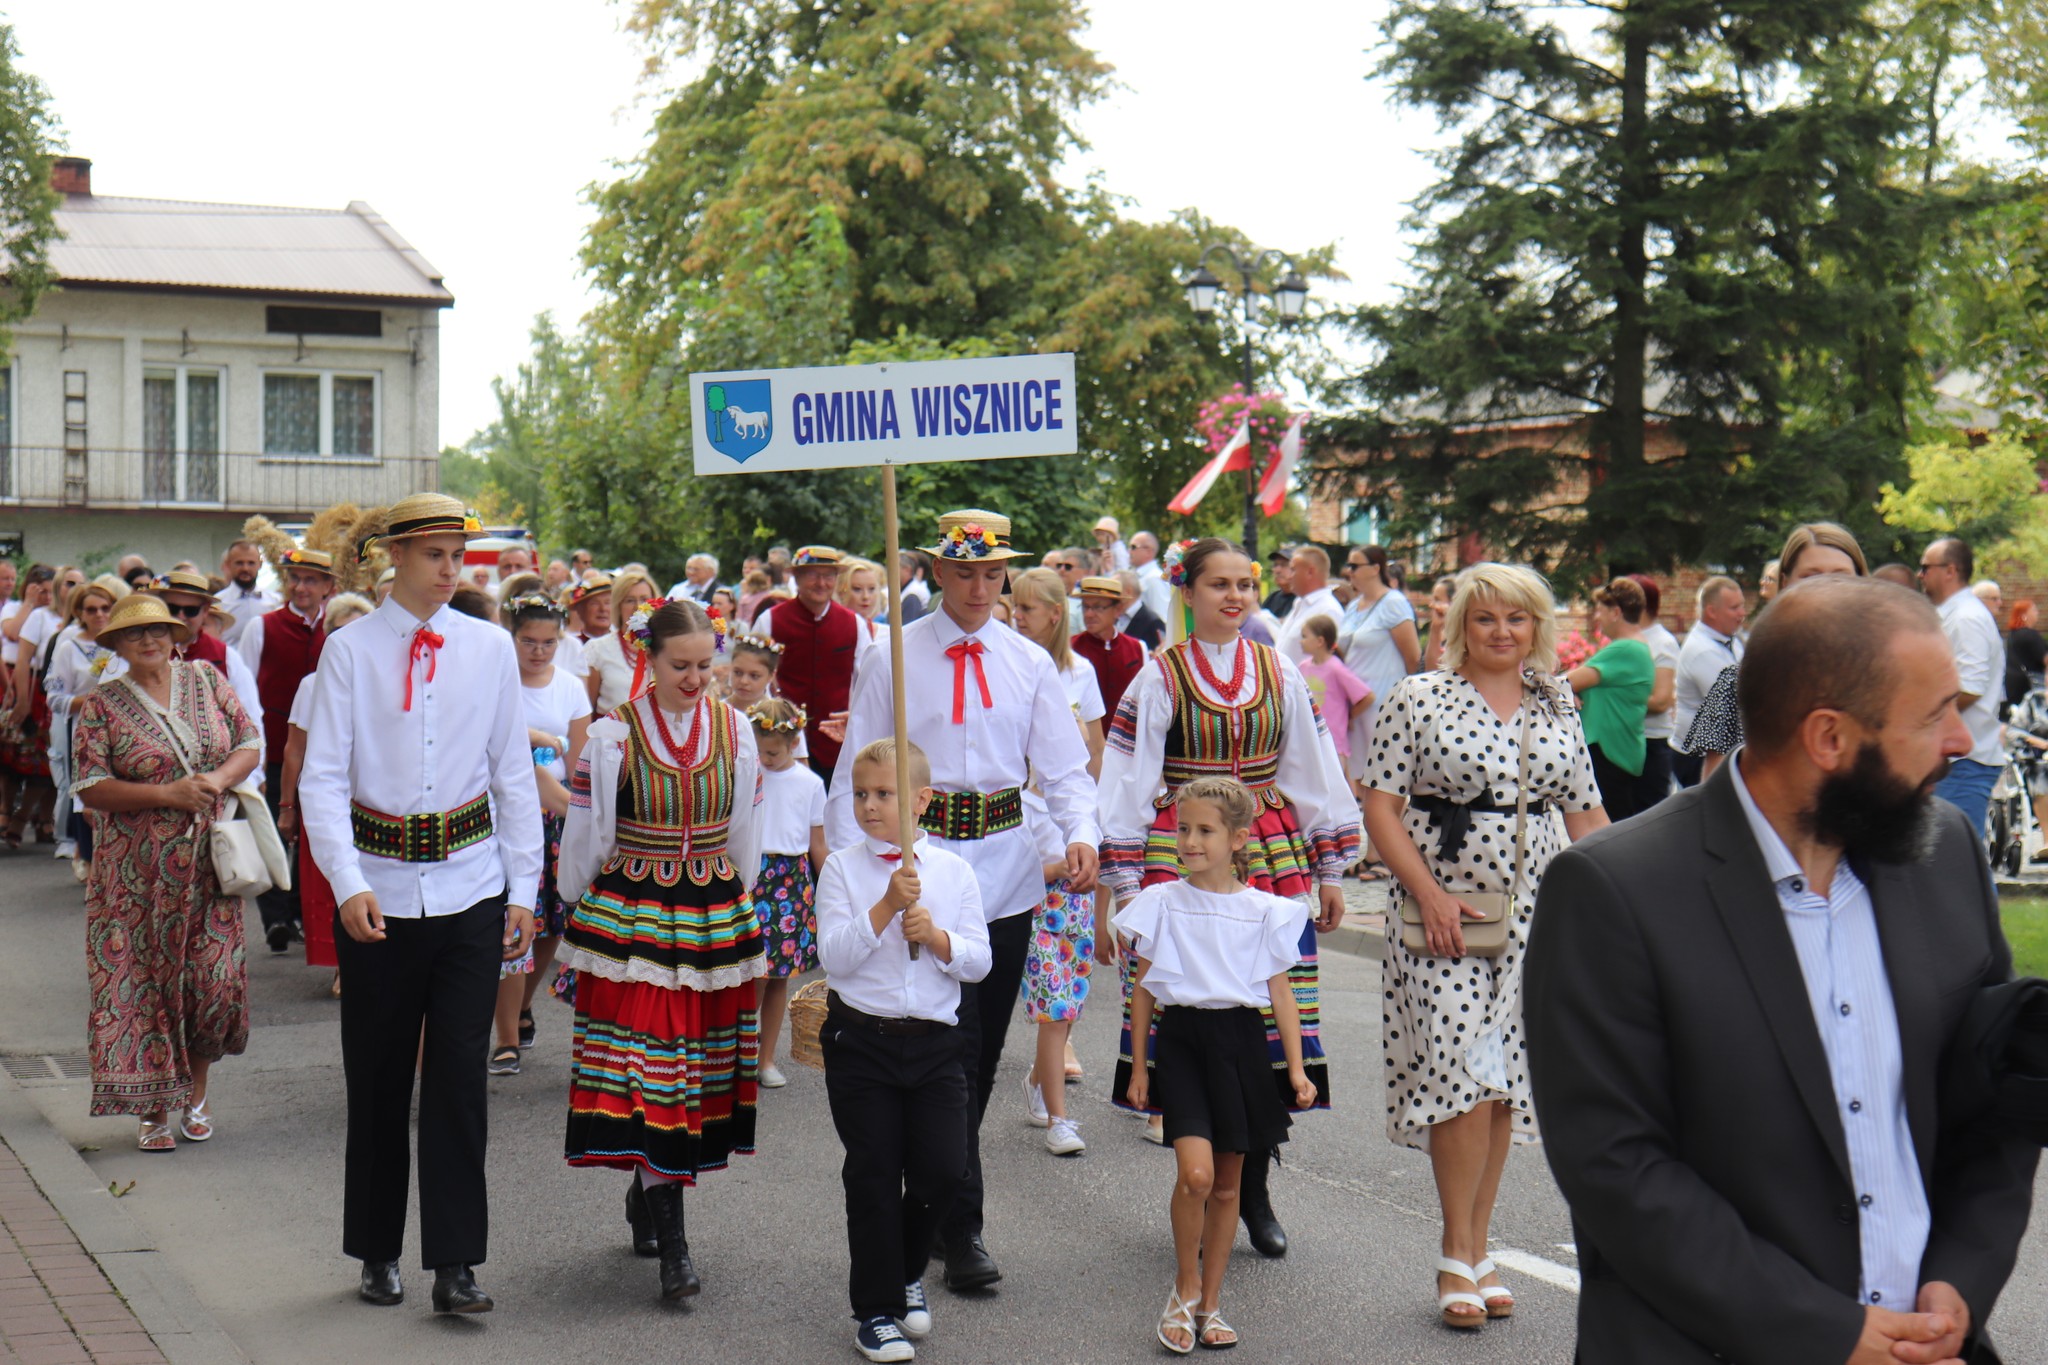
248,856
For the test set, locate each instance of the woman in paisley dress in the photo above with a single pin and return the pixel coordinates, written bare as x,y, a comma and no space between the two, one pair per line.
158,749
1440,806
1217,704
663,816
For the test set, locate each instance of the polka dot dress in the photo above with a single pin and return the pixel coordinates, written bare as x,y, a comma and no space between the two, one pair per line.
1436,736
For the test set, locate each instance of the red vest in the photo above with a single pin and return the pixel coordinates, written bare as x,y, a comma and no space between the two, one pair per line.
817,667
208,649
291,650
1116,666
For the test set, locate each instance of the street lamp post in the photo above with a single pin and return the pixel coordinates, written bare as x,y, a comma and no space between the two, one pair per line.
1203,290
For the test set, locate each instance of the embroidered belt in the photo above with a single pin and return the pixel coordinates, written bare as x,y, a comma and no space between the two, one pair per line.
426,838
1259,775
667,842
973,815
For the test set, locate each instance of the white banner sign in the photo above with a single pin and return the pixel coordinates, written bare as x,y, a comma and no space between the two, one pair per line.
909,412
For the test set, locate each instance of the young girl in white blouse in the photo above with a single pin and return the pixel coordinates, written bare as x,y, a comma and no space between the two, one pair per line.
792,855
1211,953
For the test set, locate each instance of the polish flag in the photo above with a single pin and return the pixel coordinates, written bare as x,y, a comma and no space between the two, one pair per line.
1273,492
1236,454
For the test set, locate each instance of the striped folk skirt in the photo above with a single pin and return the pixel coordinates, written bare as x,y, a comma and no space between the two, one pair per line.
665,1048
1280,864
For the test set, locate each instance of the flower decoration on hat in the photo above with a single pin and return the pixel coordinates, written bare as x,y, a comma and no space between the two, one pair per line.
794,725
471,523
719,629
1175,560
817,555
972,541
640,625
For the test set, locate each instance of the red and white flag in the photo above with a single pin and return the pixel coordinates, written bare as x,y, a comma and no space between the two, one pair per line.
1273,492
1236,454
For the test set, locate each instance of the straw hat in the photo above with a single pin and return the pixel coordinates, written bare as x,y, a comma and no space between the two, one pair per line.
591,585
1110,525
973,536
319,561
142,609
429,514
822,557
1108,588
180,580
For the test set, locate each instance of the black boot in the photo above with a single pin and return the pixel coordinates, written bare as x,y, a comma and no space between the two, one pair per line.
1256,1208
665,1208
637,1219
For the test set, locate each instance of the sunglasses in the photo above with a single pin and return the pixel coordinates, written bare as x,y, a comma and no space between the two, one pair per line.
156,630
187,612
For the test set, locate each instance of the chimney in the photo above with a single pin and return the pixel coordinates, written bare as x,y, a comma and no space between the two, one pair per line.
71,175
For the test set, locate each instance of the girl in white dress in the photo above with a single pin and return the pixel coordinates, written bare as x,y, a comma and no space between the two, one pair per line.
792,857
1212,953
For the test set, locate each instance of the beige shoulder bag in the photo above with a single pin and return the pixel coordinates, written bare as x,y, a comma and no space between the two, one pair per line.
1486,936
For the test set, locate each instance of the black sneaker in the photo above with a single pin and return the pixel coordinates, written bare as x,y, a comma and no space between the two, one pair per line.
917,1311
879,1338
504,1062
278,936
526,1029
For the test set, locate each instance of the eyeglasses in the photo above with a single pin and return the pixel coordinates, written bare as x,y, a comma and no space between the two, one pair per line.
1354,564
156,630
1927,564
538,644
187,612
1068,565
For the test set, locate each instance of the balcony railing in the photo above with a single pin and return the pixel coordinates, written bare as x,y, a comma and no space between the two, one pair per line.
120,480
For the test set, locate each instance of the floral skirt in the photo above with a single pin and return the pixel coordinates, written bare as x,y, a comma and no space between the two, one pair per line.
1060,956
1280,865
550,912
784,903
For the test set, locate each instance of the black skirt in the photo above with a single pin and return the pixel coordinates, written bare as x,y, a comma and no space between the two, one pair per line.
1213,1080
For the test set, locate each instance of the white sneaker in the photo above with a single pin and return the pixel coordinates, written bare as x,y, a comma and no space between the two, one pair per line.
66,848
772,1078
1034,1105
917,1316
1064,1138
80,869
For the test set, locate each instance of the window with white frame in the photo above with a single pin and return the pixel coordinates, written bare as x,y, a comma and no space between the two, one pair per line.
182,413
324,413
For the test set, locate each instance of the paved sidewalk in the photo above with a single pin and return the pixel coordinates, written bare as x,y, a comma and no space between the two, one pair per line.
56,1304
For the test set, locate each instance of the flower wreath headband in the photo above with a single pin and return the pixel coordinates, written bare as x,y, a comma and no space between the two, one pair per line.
1175,560
534,601
765,644
640,625
793,726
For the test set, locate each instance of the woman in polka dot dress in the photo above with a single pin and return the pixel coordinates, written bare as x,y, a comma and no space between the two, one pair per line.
1440,807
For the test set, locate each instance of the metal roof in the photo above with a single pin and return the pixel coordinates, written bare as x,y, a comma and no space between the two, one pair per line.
170,244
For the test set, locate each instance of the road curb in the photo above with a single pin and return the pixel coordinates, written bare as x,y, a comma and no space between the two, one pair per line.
160,1299
1358,940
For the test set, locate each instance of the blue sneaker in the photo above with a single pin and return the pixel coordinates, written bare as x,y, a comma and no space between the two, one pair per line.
917,1311
879,1338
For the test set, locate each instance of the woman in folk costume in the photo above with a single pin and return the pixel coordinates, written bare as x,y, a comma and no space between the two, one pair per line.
663,829
1213,705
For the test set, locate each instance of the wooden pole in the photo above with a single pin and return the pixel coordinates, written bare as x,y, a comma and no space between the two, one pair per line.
906,805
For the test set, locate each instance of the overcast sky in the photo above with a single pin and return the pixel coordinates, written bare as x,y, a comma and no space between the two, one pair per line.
474,129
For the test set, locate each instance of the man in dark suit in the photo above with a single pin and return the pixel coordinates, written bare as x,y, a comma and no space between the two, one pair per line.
1136,619
1736,1007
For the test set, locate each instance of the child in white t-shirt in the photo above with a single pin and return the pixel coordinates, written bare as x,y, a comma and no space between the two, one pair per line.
792,856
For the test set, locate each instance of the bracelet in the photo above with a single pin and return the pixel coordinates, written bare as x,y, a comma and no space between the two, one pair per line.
287,805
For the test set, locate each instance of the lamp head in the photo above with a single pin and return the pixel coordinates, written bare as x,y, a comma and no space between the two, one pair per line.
1290,294
1202,287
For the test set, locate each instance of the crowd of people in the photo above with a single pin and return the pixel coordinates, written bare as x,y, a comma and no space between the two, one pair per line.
1759,933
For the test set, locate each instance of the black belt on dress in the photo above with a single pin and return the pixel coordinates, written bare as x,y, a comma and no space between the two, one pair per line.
1453,819
839,1011
429,837
973,815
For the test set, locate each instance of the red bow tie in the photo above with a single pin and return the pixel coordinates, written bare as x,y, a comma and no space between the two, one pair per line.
961,654
890,857
425,644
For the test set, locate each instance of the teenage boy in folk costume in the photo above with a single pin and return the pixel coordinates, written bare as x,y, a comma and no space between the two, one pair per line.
992,716
419,801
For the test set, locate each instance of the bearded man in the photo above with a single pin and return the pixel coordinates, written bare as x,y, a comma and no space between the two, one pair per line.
1737,1010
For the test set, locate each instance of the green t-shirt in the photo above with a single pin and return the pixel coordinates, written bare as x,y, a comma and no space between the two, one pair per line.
1613,712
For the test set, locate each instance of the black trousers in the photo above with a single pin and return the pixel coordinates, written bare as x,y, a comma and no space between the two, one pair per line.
985,1010
1686,767
1655,783
439,973
278,907
900,1105
1617,787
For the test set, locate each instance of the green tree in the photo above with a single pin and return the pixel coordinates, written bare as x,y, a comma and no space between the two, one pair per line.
1707,221
28,206
1986,491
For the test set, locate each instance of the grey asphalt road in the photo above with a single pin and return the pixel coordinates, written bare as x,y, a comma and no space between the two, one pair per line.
251,1220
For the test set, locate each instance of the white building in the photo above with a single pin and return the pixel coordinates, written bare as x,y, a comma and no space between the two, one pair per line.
199,362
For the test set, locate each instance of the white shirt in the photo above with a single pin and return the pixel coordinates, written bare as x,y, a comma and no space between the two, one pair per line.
1155,591
920,590
1663,654
570,654
1321,602
551,709
1842,960
10,649
875,973
249,638
245,605
42,623
1700,660
792,805
1211,951
1027,733
1084,690
606,656
1980,664
301,714
866,636
465,736
694,592
1119,555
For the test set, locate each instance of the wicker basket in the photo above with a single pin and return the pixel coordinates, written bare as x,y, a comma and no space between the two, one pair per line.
806,1017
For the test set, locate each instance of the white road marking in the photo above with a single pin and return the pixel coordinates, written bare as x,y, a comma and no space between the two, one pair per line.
1537,1268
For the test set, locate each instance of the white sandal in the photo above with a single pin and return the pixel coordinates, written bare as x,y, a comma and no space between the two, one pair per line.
197,1124
1498,1294
1458,1298
1180,1317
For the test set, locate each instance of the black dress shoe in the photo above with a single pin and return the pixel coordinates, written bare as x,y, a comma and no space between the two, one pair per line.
1255,1206
380,1284
969,1266
279,937
455,1291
